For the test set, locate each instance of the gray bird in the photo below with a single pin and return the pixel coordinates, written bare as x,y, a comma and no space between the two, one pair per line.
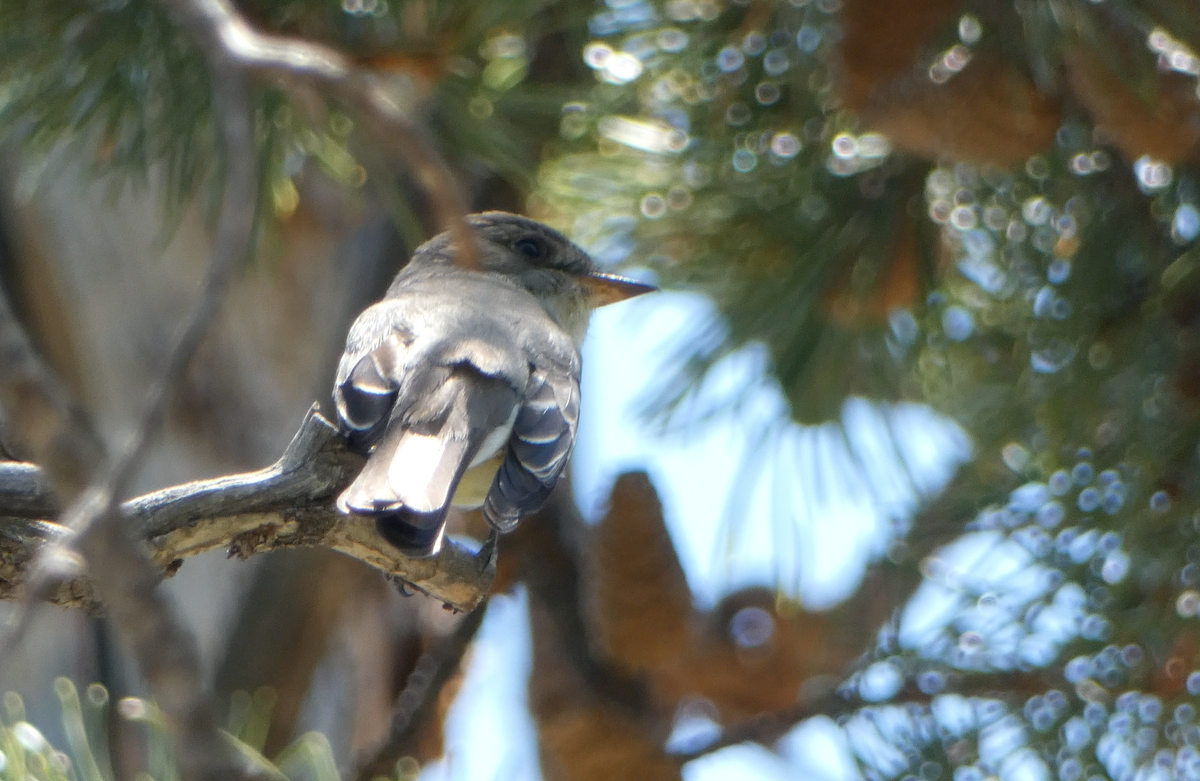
463,386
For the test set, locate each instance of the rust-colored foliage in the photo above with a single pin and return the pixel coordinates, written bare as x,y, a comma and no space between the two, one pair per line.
1164,125
582,735
641,598
988,113
1170,679
992,111
751,654
605,701
880,44
897,286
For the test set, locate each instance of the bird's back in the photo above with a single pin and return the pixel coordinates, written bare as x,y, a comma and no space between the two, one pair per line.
427,380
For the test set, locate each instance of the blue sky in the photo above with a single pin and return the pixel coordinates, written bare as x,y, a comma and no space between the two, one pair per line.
829,532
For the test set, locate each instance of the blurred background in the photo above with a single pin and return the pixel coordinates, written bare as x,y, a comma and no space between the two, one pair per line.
896,478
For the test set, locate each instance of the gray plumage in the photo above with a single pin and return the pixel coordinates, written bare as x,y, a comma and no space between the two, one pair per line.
455,367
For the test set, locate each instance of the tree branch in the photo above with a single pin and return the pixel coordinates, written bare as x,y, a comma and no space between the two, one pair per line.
289,504
417,703
120,572
767,728
123,577
302,65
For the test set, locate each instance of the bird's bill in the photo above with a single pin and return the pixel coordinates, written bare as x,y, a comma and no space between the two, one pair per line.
610,288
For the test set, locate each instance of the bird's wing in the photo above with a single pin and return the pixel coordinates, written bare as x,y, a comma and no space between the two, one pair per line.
542,436
422,384
365,395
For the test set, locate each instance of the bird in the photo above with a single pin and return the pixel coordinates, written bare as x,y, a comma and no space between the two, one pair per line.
461,386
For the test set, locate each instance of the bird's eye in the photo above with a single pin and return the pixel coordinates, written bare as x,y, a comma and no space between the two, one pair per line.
530,248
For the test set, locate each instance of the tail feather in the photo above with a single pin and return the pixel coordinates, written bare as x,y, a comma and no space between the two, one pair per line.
370,491
425,469
407,484
410,478
417,534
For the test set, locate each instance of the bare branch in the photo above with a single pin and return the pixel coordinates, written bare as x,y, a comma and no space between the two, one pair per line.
301,65
289,504
416,704
231,243
120,571
25,493
123,576
767,728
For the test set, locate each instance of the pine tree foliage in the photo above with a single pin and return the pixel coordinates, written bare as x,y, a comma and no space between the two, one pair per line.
731,145
707,142
125,87
87,756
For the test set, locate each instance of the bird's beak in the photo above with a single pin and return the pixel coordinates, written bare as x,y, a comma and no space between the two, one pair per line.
610,288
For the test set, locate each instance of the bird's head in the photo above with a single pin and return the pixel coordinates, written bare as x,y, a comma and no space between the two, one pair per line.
543,261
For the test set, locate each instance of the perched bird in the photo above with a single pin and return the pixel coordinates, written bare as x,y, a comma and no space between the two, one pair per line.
463,386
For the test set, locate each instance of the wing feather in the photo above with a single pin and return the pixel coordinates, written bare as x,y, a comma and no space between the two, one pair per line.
541,441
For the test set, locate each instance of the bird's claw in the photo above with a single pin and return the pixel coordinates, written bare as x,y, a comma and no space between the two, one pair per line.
488,551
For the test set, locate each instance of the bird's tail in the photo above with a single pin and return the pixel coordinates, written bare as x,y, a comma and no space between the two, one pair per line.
407,484
409,479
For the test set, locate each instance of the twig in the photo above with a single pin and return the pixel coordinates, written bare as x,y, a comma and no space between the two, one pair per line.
417,703
25,493
550,566
767,728
122,574
301,64
289,504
